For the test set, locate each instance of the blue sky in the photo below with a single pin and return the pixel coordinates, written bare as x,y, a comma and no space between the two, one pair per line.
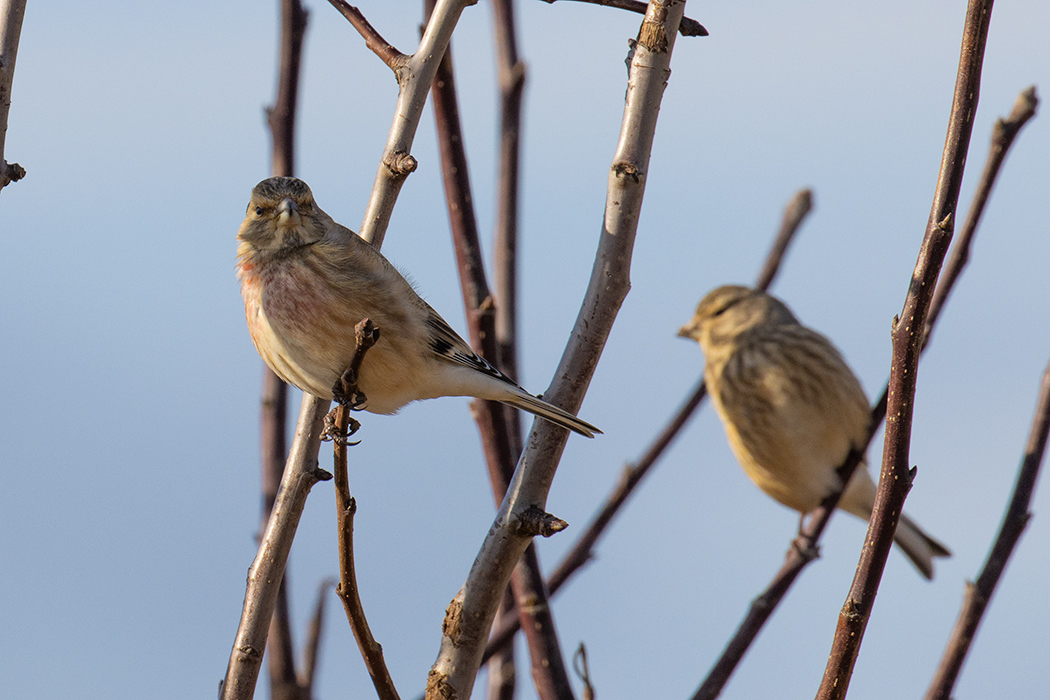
129,416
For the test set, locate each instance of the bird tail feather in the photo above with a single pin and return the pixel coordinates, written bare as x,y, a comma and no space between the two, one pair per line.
539,407
919,547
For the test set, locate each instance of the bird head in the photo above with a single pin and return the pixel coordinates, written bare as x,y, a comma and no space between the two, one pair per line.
727,312
282,216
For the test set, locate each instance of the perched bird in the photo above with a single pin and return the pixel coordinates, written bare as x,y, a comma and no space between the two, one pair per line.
791,407
307,281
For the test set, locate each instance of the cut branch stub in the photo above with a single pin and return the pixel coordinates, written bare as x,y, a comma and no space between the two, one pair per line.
535,521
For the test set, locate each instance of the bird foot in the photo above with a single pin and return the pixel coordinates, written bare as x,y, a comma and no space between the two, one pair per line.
345,391
331,433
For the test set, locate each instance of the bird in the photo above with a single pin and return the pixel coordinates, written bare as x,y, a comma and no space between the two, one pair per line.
307,281
791,407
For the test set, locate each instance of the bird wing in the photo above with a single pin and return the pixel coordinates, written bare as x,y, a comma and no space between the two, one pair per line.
446,343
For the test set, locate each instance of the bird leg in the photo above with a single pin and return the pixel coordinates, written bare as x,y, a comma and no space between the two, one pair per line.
345,391
803,542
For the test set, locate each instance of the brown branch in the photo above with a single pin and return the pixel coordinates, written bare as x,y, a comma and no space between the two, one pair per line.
979,594
284,680
632,475
366,334
549,670
12,13
502,673
1002,138
308,671
688,27
501,669
373,40
803,550
908,333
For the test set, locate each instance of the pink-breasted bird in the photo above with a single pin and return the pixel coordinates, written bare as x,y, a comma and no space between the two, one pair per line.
307,281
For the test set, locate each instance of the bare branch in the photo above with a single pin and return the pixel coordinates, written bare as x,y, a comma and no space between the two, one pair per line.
470,614
366,335
979,594
267,571
308,671
688,27
1002,138
908,333
379,46
511,74
502,448
12,13
415,78
284,681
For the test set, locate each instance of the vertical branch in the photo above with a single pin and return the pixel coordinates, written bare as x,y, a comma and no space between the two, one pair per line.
12,13
284,679
907,335
366,335
548,665
469,616
281,116
266,572
979,594
511,74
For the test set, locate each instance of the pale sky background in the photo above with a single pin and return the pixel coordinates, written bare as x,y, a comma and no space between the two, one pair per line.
129,417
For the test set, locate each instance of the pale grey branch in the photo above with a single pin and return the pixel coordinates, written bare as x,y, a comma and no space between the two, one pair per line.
11,15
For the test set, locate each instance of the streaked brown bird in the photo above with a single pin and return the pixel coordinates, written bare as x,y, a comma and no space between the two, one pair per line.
791,407
307,281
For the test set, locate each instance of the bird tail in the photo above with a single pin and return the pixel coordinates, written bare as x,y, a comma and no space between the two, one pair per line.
919,547
539,407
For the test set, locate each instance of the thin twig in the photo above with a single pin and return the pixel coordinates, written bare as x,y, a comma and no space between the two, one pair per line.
633,474
908,333
373,40
979,594
583,670
366,335
284,679
549,670
12,13
688,27
308,670
469,616
1002,138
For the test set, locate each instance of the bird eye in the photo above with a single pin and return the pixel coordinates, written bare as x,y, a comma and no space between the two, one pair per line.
258,211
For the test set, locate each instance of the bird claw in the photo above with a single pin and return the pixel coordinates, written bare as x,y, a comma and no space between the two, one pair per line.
346,393
331,433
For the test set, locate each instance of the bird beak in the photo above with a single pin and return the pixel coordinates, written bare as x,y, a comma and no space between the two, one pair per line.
687,331
288,213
